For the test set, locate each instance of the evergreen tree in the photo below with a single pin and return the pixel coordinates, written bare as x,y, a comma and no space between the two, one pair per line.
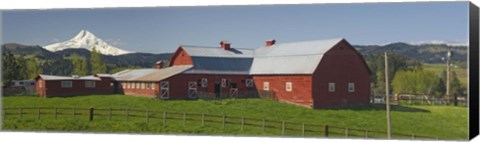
79,65
95,60
33,68
10,69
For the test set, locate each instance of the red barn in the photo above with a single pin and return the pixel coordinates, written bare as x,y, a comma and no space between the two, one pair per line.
49,85
317,74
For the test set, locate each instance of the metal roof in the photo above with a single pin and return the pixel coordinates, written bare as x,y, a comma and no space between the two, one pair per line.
149,74
291,58
201,51
216,60
53,77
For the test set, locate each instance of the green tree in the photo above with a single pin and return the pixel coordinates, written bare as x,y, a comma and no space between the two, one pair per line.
417,82
79,65
33,68
456,87
10,69
96,62
22,68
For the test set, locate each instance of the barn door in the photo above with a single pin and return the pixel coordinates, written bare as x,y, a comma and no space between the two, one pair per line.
164,90
192,89
233,90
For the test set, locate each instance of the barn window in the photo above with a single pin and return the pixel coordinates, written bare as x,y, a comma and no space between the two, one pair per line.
248,82
224,82
204,82
351,87
128,85
153,86
147,85
90,84
331,87
40,83
266,86
66,84
143,85
138,85
288,86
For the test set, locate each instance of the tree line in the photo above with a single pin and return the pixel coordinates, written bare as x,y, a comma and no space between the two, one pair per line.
407,76
27,68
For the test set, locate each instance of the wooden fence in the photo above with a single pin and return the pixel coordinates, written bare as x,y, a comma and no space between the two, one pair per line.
278,126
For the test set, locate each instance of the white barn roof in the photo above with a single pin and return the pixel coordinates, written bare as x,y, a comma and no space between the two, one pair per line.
149,74
54,77
291,58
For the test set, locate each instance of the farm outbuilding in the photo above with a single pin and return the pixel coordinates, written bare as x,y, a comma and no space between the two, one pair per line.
50,86
314,74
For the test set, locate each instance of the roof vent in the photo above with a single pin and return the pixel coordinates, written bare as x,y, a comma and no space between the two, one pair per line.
75,76
225,45
270,42
159,64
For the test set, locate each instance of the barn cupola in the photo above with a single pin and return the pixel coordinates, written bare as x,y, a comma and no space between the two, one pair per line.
159,64
225,45
269,42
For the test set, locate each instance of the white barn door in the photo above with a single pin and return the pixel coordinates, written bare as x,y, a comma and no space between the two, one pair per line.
164,90
192,89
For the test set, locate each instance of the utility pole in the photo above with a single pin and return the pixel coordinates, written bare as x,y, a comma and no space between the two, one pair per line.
387,99
447,92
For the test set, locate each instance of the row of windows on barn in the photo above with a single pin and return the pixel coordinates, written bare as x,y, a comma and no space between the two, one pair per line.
69,84
331,86
138,85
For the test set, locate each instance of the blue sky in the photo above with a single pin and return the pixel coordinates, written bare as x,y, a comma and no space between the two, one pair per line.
163,29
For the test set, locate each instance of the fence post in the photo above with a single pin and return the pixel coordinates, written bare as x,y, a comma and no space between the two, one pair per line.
74,113
223,121
38,113
263,125
56,112
326,130
147,117
366,133
303,129
184,118
110,114
243,121
203,119
164,118
346,132
126,114
90,118
20,113
283,127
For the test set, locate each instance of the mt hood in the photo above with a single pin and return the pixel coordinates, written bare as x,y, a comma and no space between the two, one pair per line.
86,40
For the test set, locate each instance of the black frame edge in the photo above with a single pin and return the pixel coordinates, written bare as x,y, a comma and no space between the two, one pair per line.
473,71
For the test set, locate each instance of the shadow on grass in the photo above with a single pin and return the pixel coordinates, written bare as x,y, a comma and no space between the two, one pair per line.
380,107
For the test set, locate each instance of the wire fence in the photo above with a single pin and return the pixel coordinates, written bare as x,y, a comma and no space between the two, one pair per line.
279,127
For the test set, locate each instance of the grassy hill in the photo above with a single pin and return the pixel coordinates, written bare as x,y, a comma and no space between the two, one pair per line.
446,122
439,68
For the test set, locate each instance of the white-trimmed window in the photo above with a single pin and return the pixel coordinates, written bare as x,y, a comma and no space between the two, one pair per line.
143,85
138,85
204,82
351,87
40,83
147,85
288,86
128,85
249,82
331,87
153,86
266,86
89,84
224,82
66,84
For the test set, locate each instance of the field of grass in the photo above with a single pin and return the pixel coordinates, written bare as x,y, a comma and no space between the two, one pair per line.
439,68
447,122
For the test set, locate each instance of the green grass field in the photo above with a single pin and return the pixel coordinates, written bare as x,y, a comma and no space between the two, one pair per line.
446,122
439,68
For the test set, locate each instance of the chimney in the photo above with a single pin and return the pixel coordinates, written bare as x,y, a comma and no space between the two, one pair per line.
270,42
159,65
225,45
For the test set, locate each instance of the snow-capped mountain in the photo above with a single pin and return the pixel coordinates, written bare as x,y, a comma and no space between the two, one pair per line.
449,43
86,40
